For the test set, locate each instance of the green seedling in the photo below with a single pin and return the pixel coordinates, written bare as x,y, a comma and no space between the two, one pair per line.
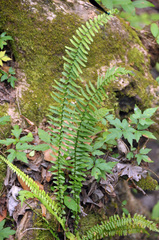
9,76
3,39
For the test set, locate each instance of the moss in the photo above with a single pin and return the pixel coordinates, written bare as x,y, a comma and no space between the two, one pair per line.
3,174
147,183
136,59
38,47
4,129
38,232
91,220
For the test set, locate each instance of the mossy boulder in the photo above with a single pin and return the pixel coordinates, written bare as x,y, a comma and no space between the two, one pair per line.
41,30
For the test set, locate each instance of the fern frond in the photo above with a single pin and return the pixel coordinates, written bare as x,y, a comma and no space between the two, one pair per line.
50,204
80,154
69,90
121,227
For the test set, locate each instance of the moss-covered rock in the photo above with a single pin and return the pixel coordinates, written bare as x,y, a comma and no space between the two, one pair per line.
39,45
148,183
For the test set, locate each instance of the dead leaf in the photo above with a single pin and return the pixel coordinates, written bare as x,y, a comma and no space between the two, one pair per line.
134,172
43,208
23,184
3,214
47,155
12,199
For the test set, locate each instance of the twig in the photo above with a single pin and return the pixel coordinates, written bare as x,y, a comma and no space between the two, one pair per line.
28,229
18,103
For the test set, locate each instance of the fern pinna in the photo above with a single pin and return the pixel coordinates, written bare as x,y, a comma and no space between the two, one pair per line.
73,115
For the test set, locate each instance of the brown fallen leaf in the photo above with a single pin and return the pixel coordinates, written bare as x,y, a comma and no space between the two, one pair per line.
47,155
3,214
43,208
23,184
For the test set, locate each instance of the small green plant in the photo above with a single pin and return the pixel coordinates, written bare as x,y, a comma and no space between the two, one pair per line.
5,232
3,57
3,39
131,130
20,144
99,167
9,76
125,211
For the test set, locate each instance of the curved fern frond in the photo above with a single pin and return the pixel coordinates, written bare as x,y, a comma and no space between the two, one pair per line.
68,90
121,227
79,155
50,204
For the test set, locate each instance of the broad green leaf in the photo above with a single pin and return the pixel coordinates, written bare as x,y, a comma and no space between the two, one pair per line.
115,134
142,4
95,172
145,150
155,211
12,155
44,136
149,112
5,58
130,155
5,232
98,145
138,158
129,9
8,141
70,203
137,135
137,113
97,153
4,120
22,156
121,2
4,77
12,80
11,71
125,211
40,147
129,136
125,124
27,138
108,3
16,131
148,134
2,53
20,146
147,159
154,29
107,167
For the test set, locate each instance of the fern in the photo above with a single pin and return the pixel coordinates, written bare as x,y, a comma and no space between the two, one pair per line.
69,138
68,89
75,121
121,227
